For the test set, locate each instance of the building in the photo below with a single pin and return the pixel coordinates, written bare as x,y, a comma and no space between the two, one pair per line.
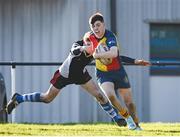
43,31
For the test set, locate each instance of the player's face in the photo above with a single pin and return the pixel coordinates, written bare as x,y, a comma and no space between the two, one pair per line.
89,47
98,29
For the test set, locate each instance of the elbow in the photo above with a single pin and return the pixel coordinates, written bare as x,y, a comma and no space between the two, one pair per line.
114,55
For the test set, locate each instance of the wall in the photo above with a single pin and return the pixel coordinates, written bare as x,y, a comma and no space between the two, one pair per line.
42,31
133,19
165,93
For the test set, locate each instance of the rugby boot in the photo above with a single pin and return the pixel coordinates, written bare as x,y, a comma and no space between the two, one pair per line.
121,122
12,103
138,128
130,123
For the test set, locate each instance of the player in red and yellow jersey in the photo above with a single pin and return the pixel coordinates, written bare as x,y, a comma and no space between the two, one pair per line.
112,77
110,41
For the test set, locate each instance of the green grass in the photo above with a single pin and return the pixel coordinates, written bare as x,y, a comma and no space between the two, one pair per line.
83,129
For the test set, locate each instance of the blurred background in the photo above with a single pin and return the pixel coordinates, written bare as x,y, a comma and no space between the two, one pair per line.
44,30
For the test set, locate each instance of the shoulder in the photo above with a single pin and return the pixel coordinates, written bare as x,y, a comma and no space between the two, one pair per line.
109,33
92,37
111,38
91,34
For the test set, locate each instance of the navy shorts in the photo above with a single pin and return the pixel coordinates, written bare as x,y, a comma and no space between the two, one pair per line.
119,78
58,81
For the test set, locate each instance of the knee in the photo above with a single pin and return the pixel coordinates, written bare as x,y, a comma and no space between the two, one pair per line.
46,98
128,102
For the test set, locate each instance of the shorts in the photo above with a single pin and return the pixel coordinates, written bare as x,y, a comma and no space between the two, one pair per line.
119,78
59,82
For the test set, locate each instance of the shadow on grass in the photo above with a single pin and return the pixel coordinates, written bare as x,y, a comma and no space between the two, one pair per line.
69,124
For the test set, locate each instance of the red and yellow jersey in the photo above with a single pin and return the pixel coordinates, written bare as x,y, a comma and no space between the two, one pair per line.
110,40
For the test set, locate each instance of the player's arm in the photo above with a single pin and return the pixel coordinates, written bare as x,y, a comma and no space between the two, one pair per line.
77,48
112,53
126,59
113,49
141,62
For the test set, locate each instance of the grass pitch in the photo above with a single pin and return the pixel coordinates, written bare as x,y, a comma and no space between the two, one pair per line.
92,129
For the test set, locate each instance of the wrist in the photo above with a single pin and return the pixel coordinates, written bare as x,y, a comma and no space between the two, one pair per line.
82,48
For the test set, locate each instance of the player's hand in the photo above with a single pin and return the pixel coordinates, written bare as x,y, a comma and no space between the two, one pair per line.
142,62
95,54
87,49
83,48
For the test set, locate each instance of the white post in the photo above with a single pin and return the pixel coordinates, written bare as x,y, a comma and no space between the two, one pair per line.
95,111
13,88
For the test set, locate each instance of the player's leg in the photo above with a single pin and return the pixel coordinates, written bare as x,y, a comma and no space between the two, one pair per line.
91,87
94,90
57,83
46,97
108,89
126,95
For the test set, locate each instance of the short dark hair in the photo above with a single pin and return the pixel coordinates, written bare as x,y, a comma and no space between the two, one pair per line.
96,17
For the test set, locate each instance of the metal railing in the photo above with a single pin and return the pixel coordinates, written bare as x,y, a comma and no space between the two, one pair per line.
14,64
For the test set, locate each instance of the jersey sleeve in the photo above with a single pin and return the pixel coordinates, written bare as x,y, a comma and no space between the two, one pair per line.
75,50
126,59
111,41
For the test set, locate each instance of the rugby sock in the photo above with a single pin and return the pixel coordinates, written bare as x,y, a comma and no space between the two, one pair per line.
111,111
123,112
132,111
31,97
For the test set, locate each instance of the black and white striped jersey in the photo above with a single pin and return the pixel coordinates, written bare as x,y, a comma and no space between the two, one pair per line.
74,65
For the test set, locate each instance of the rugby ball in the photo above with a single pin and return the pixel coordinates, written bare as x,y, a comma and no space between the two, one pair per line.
104,48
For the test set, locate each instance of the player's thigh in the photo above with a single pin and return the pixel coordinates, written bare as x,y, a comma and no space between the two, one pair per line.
108,88
126,94
91,87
